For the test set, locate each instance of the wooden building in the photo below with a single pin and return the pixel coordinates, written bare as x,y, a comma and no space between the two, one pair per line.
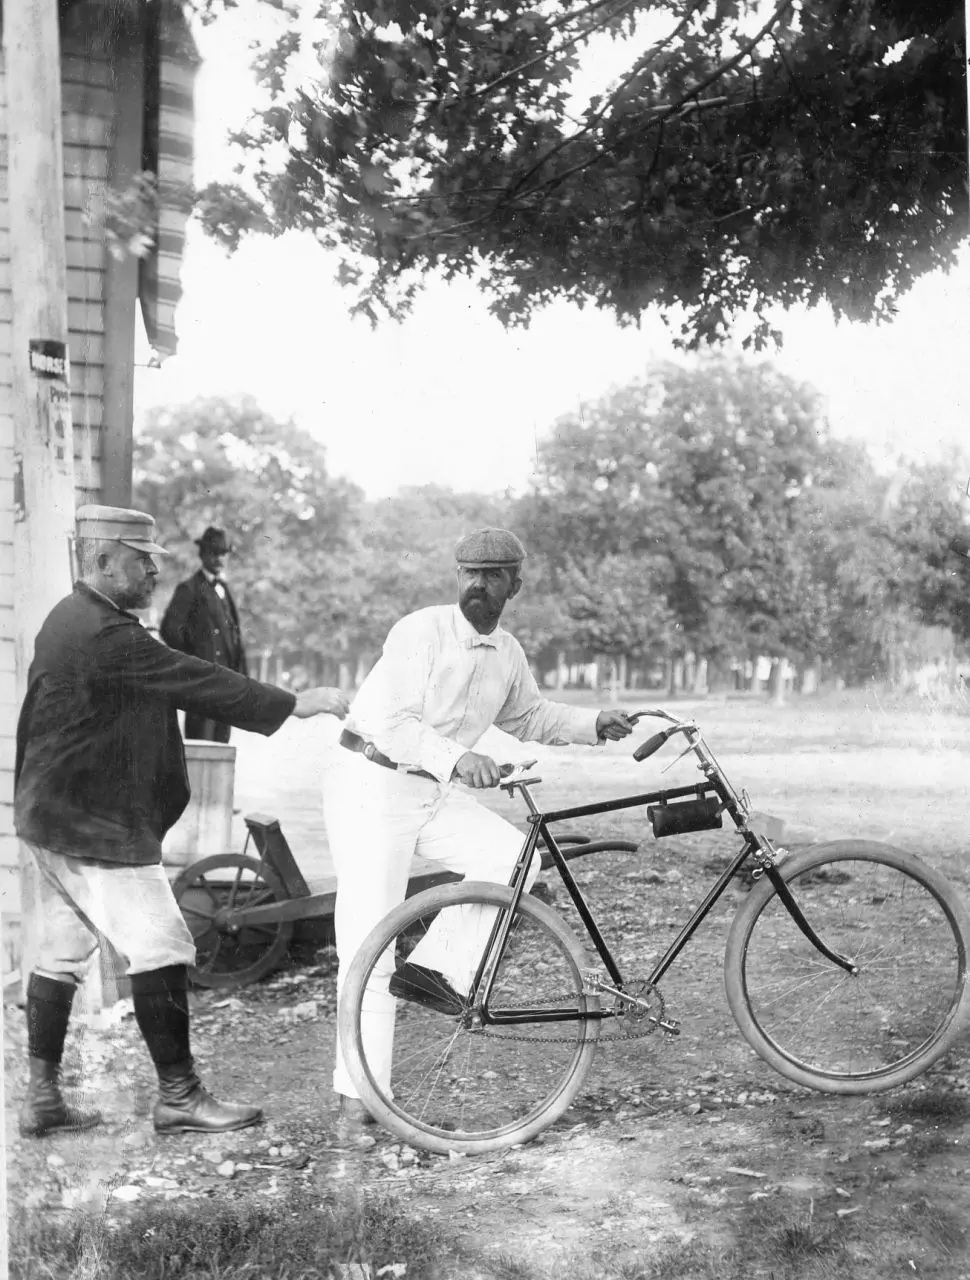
127,71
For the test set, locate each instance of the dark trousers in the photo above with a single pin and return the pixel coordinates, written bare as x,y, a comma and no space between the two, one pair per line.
210,730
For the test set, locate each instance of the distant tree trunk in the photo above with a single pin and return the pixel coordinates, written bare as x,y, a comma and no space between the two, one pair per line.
700,676
754,684
562,671
776,682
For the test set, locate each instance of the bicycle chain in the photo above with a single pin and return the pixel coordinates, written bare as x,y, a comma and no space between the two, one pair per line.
646,1024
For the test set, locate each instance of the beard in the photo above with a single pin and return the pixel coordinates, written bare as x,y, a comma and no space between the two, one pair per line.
479,610
136,597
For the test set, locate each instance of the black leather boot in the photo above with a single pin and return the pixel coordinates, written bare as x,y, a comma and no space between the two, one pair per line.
161,1000
184,1106
48,1013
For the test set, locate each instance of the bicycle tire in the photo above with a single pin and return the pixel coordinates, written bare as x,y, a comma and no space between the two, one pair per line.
225,960
907,929
455,1088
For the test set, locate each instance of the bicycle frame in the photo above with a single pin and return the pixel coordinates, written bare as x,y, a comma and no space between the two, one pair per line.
755,846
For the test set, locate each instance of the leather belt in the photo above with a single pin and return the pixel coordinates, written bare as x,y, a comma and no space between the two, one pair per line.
354,742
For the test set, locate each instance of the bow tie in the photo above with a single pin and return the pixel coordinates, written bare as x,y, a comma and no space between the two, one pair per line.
473,642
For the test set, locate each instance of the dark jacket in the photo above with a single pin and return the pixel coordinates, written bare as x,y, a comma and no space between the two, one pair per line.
100,771
199,622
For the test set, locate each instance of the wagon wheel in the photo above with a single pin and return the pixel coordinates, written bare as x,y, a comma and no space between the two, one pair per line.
205,892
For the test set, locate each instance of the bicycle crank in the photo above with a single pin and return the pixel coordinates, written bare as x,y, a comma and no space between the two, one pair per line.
638,1000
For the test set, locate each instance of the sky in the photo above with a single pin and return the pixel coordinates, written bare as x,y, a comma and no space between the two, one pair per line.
449,396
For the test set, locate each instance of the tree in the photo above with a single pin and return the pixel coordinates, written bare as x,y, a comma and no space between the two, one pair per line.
691,484
748,154
403,554
228,463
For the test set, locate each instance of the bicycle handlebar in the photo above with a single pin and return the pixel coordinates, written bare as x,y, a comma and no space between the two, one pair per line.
654,744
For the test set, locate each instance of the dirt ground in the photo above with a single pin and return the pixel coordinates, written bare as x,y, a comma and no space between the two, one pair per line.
671,1139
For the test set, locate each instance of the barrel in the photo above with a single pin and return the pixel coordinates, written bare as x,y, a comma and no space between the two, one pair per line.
206,825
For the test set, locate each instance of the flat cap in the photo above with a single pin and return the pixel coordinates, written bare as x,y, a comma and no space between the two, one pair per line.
490,549
117,524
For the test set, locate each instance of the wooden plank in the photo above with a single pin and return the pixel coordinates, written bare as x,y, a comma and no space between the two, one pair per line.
86,254
77,227
6,422
6,327
85,285
9,853
86,162
7,623
87,411
6,775
6,589
86,69
82,318
82,129
6,819
6,518
81,192
94,101
86,348
86,378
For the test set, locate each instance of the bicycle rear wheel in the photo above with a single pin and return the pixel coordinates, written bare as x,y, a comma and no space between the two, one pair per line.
458,1084
904,927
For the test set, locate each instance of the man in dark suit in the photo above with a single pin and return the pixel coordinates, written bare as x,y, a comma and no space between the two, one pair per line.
99,779
202,620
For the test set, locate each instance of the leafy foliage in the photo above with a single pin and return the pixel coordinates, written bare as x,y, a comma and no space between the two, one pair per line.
703,509
746,154
230,464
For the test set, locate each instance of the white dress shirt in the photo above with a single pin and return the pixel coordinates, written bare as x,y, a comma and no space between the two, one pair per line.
439,685
217,584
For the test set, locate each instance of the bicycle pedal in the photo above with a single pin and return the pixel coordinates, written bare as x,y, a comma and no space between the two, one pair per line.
669,1026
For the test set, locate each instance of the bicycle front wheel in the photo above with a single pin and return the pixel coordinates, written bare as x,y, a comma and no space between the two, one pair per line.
458,1083
904,928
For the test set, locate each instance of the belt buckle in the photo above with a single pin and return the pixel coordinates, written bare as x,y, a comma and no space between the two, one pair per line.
369,751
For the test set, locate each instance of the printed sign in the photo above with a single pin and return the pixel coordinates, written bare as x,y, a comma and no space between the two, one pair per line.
48,359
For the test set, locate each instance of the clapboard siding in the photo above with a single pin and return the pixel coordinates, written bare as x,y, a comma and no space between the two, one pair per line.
87,107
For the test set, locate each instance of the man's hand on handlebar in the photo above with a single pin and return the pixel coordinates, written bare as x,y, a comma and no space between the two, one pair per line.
321,701
477,771
613,725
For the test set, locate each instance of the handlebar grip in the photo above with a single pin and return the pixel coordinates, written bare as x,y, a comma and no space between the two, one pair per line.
653,744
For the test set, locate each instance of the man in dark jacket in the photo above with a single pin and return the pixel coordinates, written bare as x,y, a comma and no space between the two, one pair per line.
100,778
202,620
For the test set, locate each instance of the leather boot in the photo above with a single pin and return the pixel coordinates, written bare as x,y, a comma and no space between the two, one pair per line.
44,1110
353,1119
48,1013
184,1106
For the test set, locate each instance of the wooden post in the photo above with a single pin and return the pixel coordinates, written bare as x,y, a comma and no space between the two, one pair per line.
121,276
43,436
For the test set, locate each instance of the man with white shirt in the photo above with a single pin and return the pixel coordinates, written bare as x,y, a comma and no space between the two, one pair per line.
390,789
202,621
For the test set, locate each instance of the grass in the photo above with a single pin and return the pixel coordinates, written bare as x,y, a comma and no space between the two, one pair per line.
300,1238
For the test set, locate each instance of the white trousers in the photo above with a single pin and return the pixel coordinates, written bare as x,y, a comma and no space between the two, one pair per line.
377,820
133,907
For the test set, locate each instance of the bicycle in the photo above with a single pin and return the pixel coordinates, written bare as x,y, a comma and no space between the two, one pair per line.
845,969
